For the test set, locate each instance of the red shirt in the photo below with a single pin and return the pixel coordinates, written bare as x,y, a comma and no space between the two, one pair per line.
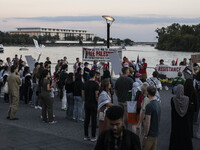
143,70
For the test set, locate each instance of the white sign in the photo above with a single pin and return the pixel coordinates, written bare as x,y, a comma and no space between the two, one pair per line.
116,63
31,62
36,46
169,71
100,54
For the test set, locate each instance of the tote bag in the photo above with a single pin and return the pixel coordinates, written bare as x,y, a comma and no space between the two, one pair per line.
5,88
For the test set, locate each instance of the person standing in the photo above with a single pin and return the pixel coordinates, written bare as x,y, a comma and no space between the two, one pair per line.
78,101
152,121
104,102
69,87
143,70
61,85
116,137
86,71
76,65
47,105
190,91
13,89
176,81
180,131
122,87
90,96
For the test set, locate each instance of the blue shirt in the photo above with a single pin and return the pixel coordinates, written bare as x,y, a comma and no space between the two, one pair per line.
154,110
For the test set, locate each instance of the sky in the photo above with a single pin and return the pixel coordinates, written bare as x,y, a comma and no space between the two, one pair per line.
134,19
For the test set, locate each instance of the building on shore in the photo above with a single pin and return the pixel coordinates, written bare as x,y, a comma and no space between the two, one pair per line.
62,34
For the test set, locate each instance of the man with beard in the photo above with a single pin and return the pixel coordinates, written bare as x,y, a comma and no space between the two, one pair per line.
117,138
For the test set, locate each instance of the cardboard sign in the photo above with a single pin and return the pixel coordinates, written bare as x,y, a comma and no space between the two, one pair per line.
100,54
31,62
116,63
195,58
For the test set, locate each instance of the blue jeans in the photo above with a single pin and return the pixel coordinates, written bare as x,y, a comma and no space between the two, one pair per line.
70,105
78,105
34,94
198,107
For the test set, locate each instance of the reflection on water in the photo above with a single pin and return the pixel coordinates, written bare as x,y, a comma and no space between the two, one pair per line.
150,53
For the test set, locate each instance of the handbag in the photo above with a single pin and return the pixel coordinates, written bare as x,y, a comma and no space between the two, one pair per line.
5,88
131,106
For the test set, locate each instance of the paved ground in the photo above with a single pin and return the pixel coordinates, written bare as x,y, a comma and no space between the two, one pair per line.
30,133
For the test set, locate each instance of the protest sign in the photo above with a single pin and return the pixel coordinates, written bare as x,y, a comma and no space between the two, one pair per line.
169,71
116,63
36,46
100,54
195,58
31,62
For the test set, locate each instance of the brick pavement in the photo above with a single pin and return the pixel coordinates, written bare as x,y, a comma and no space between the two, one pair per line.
30,133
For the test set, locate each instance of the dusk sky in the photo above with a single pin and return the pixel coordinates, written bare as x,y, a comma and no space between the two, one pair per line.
135,19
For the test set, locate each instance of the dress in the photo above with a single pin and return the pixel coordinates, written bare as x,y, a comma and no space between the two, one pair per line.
180,138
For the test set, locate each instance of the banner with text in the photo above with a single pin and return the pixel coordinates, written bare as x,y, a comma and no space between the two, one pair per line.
169,71
100,54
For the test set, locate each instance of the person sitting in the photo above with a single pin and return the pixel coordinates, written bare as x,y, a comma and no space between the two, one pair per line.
116,137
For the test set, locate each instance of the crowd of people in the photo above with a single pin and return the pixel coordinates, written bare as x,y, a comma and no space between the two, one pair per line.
87,95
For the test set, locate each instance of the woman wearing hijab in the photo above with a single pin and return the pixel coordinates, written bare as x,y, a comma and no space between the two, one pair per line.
180,138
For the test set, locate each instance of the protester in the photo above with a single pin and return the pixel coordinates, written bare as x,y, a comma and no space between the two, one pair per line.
107,76
8,62
94,67
98,77
137,78
61,85
5,75
180,131
86,72
152,121
122,86
90,96
117,138
131,74
104,102
133,118
13,89
27,85
65,60
197,87
69,87
47,105
35,80
176,81
78,101
76,65
143,70
190,91
143,109
153,81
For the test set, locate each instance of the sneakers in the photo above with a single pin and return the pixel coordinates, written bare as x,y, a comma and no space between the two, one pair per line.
39,107
93,139
86,138
52,122
64,109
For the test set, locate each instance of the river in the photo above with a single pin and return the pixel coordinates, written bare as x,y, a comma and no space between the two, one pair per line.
151,55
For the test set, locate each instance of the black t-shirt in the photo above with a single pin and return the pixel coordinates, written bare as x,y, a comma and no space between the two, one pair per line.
69,87
127,141
85,74
78,86
90,89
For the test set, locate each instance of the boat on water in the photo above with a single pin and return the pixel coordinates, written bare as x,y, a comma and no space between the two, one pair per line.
23,49
1,48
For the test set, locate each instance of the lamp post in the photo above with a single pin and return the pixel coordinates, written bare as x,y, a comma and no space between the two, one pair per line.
109,21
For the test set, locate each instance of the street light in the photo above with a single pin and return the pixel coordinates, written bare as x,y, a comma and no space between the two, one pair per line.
109,21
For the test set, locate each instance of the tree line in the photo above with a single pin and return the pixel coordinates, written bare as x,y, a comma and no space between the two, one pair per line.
178,37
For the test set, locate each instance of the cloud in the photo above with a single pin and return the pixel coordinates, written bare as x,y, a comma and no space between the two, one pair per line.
140,19
4,20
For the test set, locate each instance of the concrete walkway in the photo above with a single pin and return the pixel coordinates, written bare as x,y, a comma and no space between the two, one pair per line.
29,133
